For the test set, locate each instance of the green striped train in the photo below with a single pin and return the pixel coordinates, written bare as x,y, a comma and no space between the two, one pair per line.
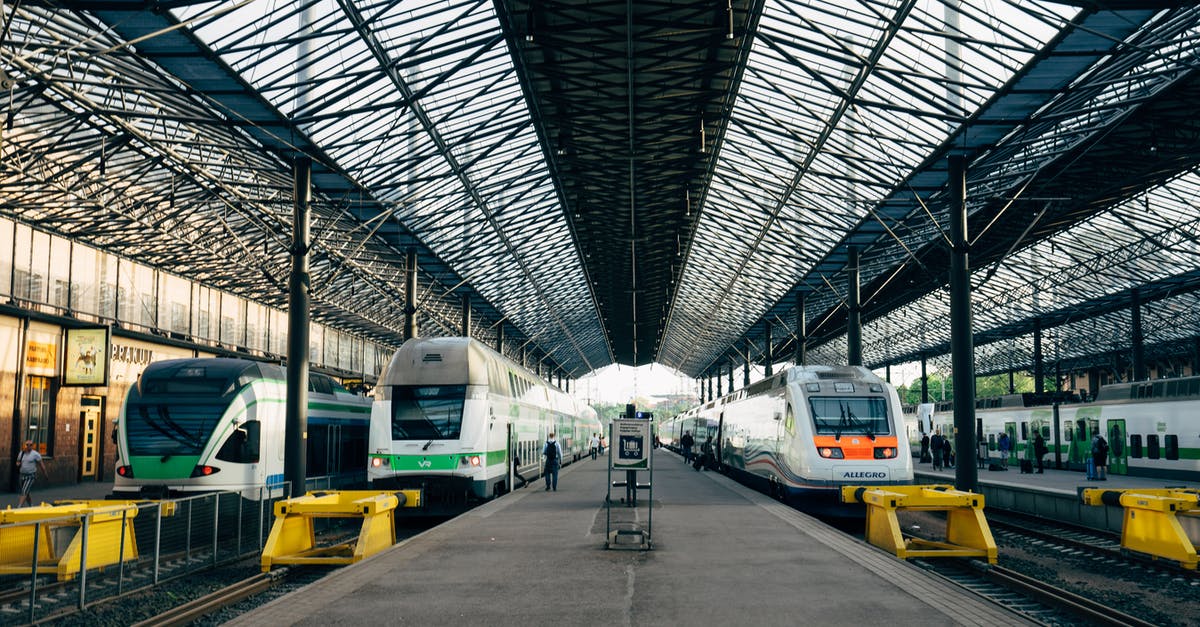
452,417
191,426
1151,427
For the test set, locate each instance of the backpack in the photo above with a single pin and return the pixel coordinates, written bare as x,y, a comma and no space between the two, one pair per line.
1102,447
551,452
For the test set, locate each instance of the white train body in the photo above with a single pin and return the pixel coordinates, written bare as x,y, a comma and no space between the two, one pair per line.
1151,427
451,416
802,434
204,425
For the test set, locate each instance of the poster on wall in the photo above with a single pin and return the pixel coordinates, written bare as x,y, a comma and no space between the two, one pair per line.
85,361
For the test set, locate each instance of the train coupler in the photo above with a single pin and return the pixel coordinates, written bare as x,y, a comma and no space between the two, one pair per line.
967,531
1151,524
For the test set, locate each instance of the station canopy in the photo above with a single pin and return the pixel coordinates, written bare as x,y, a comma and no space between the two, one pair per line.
633,182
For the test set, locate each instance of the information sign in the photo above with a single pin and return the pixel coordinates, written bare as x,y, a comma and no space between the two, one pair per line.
631,439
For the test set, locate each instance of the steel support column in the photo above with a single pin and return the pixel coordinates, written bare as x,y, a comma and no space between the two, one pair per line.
719,393
924,381
770,350
801,338
746,366
1138,339
854,310
466,315
500,337
296,417
730,364
962,343
410,293
1039,360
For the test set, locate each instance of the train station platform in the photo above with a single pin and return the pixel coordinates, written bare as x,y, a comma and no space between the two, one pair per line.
722,553
1054,494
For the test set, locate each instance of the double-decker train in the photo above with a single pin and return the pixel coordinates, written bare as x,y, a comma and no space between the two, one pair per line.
214,424
452,416
1152,427
802,434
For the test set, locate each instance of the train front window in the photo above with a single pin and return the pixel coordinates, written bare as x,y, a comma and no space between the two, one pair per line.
165,429
851,415
427,412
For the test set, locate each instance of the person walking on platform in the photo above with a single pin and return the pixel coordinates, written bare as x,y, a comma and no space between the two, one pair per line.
517,474
706,455
1100,457
924,448
553,454
1002,446
1039,450
29,461
935,449
982,456
686,443
595,445
947,452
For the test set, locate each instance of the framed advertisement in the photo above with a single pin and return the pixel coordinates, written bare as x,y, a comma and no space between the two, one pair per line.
85,356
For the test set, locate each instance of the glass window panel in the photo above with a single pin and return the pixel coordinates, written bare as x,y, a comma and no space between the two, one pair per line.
316,343
233,320
6,257
256,326
174,303
39,268
86,277
59,283
21,253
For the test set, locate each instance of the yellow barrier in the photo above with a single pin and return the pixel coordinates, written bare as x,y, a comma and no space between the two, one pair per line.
110,524
293,541
1151,524
967,531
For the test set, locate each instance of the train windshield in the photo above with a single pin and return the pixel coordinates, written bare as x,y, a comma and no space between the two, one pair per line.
852,415
427,412
174,428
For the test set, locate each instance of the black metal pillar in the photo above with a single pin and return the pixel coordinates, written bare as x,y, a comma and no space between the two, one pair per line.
1012,384
730,376
1039,366
801,338
854,310
1138,339
746,366
466,316
962,343
719,392
296,417
770,349
887,373
710,386
410,292
500,337
924,381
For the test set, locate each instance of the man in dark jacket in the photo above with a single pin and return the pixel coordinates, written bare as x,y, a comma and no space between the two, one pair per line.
686,443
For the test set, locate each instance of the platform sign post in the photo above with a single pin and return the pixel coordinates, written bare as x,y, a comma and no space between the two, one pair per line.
630,449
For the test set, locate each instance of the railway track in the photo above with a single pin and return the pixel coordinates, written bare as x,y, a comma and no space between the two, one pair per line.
1061,574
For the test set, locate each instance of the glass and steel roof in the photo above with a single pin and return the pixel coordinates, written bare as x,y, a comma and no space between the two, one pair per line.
626,181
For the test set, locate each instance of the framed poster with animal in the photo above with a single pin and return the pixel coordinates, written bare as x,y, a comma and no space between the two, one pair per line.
85,360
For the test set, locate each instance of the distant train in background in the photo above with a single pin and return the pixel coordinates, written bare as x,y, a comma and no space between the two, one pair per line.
190,426
451,415
1152,427
802,434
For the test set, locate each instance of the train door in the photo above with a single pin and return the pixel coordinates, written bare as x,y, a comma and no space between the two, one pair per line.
91,417
1118,452
1011,429
1087,424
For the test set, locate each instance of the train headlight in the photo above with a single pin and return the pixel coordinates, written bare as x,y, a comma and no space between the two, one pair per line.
125,471
474,460
204,471
831,452
885,453
376,462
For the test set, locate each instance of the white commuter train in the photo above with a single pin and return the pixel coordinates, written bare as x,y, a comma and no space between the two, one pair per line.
214,424
1152,427
451,416
803,433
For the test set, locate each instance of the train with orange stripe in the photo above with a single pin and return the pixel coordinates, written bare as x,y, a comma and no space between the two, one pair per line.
801,434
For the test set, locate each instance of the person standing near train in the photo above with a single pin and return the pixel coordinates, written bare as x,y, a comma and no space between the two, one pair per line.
935,449
595,445
1100,457
552,452
686,443
1002,446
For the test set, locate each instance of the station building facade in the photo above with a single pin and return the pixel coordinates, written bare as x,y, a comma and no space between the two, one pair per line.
79,325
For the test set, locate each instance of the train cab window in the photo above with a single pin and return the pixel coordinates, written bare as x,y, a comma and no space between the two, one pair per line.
320,384
1152,446
242,447
427,412
1172,442
1135,445
848,415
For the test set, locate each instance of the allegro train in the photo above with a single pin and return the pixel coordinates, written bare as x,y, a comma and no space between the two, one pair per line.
191,426
802,434
1150,426
452,416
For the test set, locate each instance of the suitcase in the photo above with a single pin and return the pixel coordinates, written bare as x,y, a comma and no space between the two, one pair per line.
1091,469
1026,466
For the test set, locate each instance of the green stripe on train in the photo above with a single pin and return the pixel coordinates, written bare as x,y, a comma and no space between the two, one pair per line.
439,462
156,467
